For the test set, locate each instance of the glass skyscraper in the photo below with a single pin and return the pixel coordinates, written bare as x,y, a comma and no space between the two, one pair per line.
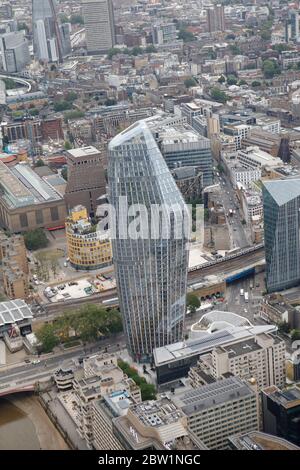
151,271
48,41
281,226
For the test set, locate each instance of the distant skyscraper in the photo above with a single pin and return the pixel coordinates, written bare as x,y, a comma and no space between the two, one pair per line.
99,25
216,19
294,25
151,271
47,37
282,236
14,51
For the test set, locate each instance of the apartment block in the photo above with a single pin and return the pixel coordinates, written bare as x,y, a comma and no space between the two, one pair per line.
261,358
15,269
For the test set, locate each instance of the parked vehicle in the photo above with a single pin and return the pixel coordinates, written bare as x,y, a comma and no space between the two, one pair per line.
242,292
246,296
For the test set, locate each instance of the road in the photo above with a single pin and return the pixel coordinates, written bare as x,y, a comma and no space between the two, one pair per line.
21,373
239,237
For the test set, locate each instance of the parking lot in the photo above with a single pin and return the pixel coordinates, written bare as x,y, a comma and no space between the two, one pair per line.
72,290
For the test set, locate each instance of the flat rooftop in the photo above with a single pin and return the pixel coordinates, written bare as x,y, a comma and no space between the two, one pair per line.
83,152
212,395
22,186
287,398
256,440
205,342
181,133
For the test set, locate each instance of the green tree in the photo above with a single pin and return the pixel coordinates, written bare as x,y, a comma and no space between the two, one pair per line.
71,96
9,83
150,49
76,114
112,52
36,239
47,337
295,334
39,163
148,391
234,49
76,19
281,47
62,105
255,83
242,82
190,82
283,327
67,145
222,79
218,95
64,173
192,302
270,68
186,36
231,80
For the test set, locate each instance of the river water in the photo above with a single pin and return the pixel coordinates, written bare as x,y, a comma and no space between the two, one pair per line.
16,429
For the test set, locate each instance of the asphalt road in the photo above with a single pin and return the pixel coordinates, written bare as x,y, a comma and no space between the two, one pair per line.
51,362
238,235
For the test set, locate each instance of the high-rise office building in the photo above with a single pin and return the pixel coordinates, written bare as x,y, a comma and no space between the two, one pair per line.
14,51
151,270
47,38
281,201
99,25
219,410
182,146
86,179
216,18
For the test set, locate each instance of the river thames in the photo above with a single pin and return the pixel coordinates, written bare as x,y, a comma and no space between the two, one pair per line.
24,425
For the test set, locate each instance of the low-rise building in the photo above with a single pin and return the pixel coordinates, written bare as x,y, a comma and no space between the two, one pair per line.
159,425
275,309
28,201
88,248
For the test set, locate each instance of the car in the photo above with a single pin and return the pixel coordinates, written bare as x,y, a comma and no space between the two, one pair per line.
65,264
36,361
62,287
27,361
73,283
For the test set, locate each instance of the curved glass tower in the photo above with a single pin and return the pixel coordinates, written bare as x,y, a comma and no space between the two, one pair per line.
151,268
